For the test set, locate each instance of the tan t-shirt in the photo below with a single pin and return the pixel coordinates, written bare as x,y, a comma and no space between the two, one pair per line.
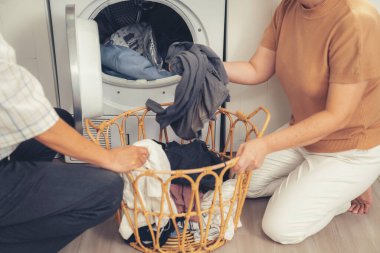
337,41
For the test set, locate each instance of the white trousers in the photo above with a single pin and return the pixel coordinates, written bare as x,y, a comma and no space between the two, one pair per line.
309,189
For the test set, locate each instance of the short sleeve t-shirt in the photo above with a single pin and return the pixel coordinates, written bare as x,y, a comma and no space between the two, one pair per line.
25,112
338,41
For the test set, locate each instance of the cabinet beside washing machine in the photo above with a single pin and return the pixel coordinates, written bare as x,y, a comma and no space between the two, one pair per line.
97,94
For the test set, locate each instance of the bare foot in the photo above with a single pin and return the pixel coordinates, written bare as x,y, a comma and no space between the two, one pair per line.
361,204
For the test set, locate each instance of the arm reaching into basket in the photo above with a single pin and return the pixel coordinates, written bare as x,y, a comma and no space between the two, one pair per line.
257,70
64,139
342,103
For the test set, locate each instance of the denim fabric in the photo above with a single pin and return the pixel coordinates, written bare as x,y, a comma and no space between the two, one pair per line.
129,63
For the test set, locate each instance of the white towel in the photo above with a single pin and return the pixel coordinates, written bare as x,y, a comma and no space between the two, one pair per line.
228,188
149,188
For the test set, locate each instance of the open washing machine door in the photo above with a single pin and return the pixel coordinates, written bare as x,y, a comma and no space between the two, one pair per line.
85,67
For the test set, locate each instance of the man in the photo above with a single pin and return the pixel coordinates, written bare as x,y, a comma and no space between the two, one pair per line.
45,205
326,54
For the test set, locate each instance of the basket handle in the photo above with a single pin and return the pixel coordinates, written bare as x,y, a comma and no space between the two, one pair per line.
266,122
87,123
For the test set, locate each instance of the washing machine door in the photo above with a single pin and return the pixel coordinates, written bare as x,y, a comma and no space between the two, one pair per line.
85,67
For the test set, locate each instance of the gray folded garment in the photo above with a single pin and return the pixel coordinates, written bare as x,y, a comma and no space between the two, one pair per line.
199,94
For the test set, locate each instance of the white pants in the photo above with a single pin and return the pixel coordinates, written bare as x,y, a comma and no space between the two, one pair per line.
309,189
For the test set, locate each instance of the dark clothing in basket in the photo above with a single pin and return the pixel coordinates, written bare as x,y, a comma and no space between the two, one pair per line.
191,156
146,237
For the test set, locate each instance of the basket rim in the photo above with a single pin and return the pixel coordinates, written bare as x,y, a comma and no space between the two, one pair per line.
230,163
241,116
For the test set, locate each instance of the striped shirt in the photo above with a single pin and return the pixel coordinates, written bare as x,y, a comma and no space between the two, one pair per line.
25,112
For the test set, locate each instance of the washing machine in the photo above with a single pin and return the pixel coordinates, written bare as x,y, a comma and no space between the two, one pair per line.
80,26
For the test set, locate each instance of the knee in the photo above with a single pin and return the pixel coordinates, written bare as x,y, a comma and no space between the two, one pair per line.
113,190
256,188
116,189
279,229
65,116
106,193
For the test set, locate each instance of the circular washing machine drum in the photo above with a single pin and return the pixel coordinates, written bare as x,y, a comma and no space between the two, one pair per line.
171,21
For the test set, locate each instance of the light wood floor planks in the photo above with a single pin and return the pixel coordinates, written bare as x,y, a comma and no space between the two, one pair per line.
347,233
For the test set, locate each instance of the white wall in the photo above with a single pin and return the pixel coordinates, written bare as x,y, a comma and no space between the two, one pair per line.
246,21
23,24
376,3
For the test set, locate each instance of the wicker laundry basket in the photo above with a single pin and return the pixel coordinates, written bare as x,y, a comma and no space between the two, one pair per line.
228,209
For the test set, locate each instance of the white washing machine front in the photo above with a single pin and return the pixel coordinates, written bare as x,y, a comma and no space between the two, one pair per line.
205,23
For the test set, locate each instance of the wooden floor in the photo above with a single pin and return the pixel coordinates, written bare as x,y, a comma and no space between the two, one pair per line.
347,233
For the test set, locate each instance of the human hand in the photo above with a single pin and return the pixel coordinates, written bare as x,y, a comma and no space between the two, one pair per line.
252,154
124,159
361,204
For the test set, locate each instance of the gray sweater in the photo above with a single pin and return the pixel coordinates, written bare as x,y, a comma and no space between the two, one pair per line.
201,91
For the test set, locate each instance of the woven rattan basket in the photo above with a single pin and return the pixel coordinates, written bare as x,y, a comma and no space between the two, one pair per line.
183,241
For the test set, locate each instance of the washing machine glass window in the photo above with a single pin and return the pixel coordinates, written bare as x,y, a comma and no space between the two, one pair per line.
139,31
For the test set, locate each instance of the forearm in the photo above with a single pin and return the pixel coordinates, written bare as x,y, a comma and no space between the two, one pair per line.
306,132
64,139
243,73
257,70
342,102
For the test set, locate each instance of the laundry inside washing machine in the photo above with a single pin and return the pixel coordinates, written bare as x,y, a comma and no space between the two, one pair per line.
138,34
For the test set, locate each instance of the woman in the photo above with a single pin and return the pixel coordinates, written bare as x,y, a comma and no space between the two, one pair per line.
326,55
